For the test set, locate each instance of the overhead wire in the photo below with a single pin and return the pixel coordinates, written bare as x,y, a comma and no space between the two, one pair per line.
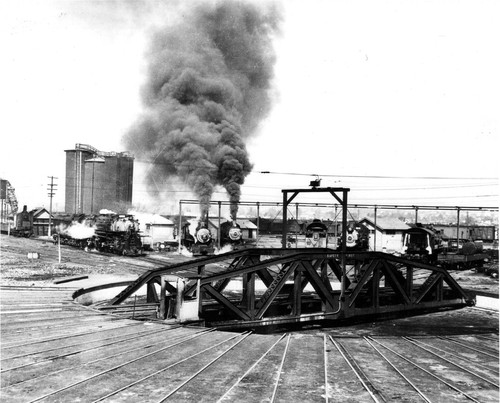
189,164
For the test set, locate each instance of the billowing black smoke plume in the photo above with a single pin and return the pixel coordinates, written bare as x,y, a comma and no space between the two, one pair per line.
207,89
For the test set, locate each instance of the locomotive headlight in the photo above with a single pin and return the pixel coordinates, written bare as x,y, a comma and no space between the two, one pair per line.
234,234
203,235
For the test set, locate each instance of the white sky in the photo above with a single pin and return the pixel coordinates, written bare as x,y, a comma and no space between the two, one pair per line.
377,88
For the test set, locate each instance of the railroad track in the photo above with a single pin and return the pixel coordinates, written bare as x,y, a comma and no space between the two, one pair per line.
54,350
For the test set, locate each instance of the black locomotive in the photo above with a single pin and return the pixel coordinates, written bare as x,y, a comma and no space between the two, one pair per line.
428,245
202,243
24,224
357,237
230,234
115,233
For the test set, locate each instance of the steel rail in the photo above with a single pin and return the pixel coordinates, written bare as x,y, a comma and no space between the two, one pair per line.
469,347
30,289
163,369
325,362
451,362
71,335
482,336
35,327
422,395
115,367
29,318
426,371
250,369
358,371
280,369
244,336
59,347
453,355
52,358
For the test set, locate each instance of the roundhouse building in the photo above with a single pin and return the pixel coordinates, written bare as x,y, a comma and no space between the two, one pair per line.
97,180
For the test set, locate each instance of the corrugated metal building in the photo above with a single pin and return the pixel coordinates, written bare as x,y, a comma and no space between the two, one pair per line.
97,180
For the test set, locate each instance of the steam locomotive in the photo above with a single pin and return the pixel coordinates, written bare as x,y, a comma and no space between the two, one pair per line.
316,234
357,238
230,234
24,224
115,233
203,242
426,244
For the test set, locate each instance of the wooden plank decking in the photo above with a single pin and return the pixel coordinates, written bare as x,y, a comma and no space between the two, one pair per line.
55,350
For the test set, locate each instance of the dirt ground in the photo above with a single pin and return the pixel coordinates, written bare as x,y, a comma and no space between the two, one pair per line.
35,262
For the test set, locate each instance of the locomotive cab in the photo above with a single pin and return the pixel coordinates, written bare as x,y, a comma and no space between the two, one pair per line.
420,242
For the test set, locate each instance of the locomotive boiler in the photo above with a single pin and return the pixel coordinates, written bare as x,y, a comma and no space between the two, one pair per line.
114,233
316,234
231,234
202,243
357,238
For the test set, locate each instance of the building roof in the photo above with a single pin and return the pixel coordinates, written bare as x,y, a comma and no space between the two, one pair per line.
242,222
387,223
39,211
148,218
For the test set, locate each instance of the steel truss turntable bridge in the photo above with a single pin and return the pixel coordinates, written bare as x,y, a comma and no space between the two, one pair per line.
262,287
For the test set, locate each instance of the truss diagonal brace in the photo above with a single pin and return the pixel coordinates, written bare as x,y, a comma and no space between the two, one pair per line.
389,273
225,302
428,286
317,284
267,299
362,281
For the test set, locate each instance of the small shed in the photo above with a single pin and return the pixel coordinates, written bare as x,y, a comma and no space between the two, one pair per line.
41,219
155,229
388,234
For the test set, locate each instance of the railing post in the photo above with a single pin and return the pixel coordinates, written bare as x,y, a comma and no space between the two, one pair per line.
163,299
180,296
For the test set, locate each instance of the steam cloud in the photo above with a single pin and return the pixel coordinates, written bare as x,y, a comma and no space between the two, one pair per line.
207,90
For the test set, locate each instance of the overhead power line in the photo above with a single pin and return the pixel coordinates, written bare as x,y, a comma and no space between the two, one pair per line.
375,176
215,168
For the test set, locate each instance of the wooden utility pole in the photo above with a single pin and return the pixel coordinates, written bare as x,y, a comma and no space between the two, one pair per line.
51,194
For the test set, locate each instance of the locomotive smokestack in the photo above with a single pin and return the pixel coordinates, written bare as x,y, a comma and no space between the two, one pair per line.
207,90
